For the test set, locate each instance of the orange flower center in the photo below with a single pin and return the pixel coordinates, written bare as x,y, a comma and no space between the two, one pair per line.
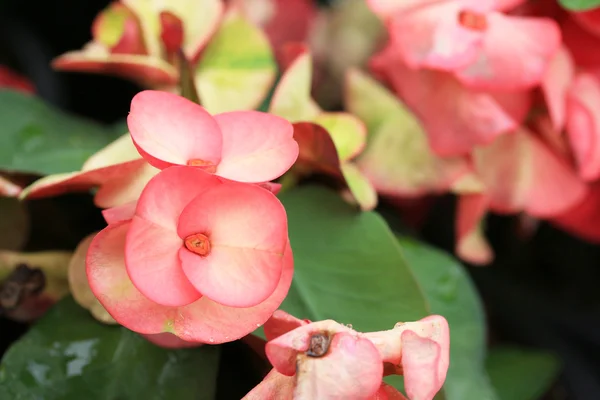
472,20
198,243
207,166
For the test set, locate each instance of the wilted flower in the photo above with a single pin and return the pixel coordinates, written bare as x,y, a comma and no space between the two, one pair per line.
327,360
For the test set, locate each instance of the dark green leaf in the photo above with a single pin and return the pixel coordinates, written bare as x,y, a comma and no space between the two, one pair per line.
69,356
348,265
38,138
450,293
579,5
519,374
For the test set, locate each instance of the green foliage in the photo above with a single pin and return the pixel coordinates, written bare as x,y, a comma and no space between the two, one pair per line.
579,5
40,139
69,356
350,267
519,374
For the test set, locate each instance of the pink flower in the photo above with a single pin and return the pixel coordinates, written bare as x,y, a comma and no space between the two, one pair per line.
202,257
483,47
573,100
246,146
328,360
471,244
455,117
583,219
520,173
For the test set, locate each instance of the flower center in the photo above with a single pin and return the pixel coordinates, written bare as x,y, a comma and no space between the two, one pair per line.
198,243
207,166
319,344
472,20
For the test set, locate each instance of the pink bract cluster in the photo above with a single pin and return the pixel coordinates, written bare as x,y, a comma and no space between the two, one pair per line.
327,360
512,87
198,247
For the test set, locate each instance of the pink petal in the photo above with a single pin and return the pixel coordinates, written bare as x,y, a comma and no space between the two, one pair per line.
522,174
272,187
432,36
125,188
281,323
119,213
152,242
202,321
419,359
471,245
282,350
169,129
169,341
455,118
274,386
555,85
351,369
151,254
247,230
425,356
579,42
387,392
506,5
583,124
583,219
589,20
257,146
9,189
515,55
111,285
168,193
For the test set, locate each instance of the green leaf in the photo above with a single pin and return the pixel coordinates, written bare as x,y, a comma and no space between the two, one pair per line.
237,68
450,293
67,355
520,374
38,138
348,265
579,5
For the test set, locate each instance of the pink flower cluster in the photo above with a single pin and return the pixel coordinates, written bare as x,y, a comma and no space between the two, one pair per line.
201,250
327,360
513,88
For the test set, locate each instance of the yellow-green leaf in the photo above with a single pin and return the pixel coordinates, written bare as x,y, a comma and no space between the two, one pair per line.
291,99
399,161
369,100
237,68
347,132
361,189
